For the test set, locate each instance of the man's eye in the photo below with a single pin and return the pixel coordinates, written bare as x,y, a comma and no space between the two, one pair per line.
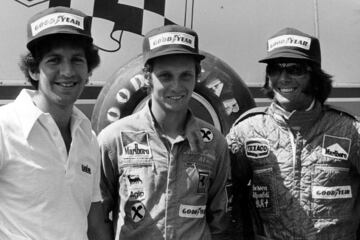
164,76
53,60
295,70
188,75
79,60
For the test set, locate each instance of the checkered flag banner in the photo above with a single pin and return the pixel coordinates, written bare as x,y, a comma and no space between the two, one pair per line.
135,16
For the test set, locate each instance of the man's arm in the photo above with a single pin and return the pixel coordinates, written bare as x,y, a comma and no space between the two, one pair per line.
218,207
98,226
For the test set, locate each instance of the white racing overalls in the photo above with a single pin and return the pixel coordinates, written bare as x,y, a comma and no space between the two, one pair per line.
305,171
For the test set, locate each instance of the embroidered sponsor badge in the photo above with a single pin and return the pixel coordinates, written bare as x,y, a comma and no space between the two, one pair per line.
262,196
289,41
86,169
137,212
134,179
135,183
171,38
135,145
137,194
257,148
206,134
337,192
56,19
203,181
336,147
190,211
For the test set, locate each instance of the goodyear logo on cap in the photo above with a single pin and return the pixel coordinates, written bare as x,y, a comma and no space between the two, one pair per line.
57,19
289,41
257,148
170,38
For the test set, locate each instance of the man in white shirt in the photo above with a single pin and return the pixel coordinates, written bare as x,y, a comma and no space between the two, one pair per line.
49,156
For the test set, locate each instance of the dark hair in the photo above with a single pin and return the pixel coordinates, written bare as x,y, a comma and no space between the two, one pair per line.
320,84
148,68
31,60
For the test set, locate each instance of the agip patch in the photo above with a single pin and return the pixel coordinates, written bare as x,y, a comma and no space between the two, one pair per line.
257,148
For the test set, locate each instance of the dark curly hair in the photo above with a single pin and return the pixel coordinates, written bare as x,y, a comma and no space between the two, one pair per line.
30,61
320,84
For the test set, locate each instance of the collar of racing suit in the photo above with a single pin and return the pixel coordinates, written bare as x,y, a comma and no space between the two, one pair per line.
296,120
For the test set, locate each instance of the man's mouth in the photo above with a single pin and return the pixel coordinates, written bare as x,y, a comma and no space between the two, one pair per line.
67,84
287,90
175,97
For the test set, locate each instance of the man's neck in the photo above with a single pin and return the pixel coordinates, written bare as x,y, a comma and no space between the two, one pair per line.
172,124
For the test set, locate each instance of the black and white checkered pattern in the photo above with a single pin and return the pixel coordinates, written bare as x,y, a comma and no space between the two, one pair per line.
136,16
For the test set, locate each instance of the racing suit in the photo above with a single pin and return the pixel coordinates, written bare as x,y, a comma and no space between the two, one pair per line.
305,171
156,190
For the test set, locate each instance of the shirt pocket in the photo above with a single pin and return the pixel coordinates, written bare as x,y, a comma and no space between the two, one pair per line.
264,191
331,192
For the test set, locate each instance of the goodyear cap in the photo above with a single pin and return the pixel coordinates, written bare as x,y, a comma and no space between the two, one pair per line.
290,43
58,20
171,39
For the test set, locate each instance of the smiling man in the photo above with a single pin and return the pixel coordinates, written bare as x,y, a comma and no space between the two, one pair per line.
49,156
303,155
164,170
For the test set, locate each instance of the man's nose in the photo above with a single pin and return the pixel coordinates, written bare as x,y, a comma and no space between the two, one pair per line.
67,69
283,75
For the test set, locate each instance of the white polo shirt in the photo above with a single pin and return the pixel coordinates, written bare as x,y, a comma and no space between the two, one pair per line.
45,193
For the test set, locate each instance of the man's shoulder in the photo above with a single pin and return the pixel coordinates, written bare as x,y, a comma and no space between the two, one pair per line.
340,111
7,112
256,111
128,123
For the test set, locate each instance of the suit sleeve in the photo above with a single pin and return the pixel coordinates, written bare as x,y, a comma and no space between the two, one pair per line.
109,176
218,214
241,175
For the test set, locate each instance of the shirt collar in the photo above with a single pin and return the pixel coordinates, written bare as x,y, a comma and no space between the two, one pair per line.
26,110
192,131
28,113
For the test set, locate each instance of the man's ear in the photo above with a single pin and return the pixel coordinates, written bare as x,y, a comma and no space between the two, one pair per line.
34,75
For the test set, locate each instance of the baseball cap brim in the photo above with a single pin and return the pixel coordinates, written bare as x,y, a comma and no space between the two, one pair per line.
286,55
198,56
64,32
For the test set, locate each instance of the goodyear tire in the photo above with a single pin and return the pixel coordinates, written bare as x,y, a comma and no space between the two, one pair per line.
220,96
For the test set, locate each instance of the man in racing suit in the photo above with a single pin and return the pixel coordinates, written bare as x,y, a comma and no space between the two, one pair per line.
304,156
164,170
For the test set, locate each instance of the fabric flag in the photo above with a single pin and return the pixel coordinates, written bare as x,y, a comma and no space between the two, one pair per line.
132,16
